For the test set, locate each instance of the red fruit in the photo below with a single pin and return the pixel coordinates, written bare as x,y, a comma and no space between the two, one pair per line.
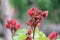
45,14
17,26
11,24
29,12
30,22
33,12
14,22
38,24
9,21
29,32
52,35
7,26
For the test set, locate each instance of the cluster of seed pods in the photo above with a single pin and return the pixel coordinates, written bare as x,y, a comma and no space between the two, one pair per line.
36,17
12,25
53,35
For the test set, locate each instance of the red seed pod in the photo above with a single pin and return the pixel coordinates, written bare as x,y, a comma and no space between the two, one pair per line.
39,12
30,12
29,32
12,25
39,20
30,22
38,24
52,35
45,14
9,21
17,26
33,12
7,26
14,22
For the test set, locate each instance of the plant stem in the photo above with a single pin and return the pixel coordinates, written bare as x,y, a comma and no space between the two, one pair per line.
34,28
12,34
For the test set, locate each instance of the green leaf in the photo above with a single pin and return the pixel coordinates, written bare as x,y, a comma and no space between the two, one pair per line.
21,35
39,35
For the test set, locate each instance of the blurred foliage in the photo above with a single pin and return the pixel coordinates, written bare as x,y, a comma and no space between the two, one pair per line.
20,34
21,6
53,6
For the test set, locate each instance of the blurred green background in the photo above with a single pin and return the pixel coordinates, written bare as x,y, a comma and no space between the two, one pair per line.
53,6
